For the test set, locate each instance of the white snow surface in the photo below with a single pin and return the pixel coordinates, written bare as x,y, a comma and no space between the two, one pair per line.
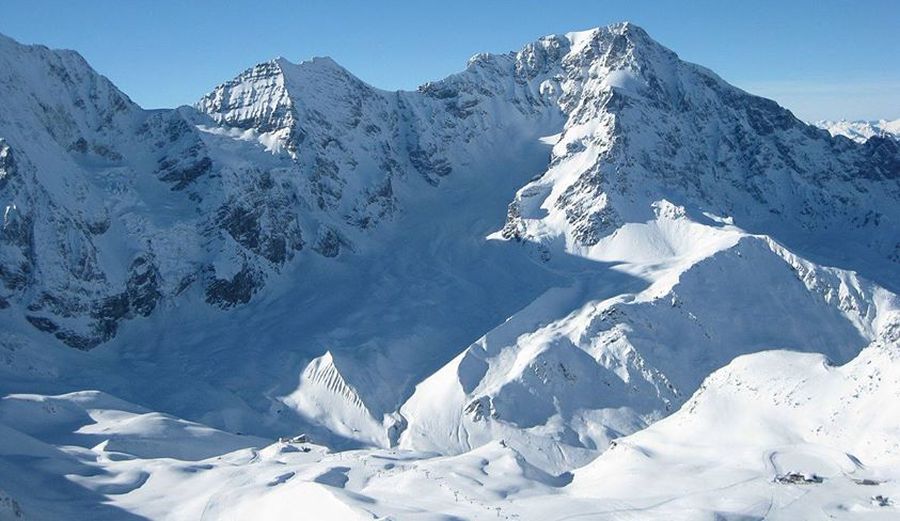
584,280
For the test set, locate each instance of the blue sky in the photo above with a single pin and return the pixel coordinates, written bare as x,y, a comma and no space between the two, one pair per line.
822,59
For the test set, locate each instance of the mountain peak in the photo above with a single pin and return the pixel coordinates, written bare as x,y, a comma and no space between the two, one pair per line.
313,64
619,28
322,61
59,92
605,36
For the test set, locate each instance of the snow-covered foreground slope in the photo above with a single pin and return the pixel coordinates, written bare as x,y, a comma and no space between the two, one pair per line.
774,435
762,417
464,294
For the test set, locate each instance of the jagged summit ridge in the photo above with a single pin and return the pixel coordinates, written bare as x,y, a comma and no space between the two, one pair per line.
271,96
624,107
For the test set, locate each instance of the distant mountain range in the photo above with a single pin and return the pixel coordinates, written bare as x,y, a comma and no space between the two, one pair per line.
861,131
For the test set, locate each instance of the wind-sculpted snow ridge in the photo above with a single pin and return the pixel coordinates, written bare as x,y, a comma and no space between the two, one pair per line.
459,294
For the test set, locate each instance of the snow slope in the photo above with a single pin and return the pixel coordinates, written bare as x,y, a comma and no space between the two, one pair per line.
798,413
462,294
534,379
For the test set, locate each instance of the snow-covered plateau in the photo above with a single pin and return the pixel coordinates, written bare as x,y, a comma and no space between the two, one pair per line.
583,280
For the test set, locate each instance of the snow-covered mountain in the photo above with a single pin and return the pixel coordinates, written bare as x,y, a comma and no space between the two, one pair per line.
110,208
861,131
491,279
832,430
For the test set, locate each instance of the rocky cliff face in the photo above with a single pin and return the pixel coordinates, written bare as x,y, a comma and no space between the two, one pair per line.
643,125
110,208
282,158
287,157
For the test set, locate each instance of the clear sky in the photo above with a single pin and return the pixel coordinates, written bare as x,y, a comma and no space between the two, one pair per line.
822,59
